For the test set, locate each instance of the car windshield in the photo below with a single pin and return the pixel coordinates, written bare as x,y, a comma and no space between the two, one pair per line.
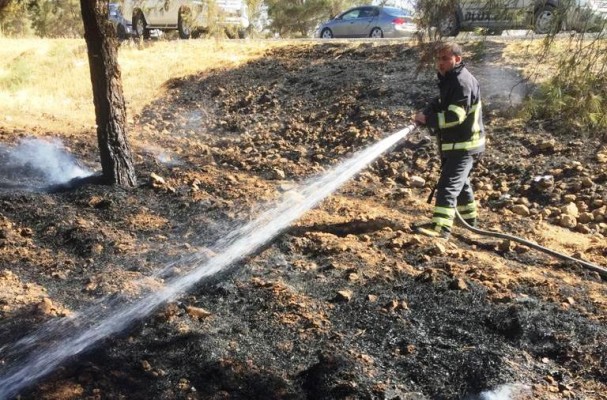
396,12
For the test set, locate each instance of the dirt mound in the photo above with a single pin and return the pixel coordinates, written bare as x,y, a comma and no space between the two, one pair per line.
348,302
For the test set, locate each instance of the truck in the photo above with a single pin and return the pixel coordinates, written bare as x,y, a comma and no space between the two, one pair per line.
188,17
542,16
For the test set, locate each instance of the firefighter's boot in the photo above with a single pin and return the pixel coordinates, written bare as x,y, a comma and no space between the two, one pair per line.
433,230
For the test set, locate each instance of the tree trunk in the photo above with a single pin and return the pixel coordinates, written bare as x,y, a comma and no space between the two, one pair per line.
110,110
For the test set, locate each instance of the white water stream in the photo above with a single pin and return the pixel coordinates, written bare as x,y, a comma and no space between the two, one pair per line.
41,352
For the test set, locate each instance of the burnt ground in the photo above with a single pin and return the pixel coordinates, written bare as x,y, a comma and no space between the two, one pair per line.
348,303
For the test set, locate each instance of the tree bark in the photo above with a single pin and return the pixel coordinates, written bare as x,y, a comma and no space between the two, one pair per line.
110,109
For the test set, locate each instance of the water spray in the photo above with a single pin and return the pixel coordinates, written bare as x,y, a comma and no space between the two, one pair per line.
39,353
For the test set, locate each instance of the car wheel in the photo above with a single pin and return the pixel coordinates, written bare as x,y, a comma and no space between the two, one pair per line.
140,26
184,23
546,20
376,33
326,34
449,25
242,34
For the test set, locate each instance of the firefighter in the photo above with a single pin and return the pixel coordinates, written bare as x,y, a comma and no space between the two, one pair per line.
455,117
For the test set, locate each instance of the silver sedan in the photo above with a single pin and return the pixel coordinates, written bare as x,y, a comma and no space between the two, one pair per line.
368,21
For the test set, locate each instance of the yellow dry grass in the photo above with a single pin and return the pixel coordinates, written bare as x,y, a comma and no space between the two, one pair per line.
45,83
540,63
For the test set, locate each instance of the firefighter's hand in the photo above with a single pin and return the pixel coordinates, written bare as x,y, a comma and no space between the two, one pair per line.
419,119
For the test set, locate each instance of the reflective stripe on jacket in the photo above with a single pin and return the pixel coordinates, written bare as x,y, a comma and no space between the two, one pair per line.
457,114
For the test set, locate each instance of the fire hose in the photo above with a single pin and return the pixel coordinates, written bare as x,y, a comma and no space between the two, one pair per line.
593,267
588,265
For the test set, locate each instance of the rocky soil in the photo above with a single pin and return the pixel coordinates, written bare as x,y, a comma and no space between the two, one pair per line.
348,303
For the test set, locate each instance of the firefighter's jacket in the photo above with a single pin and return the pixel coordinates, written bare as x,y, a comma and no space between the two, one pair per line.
456,115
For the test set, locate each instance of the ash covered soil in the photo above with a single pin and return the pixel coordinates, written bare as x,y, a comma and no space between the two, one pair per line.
347,303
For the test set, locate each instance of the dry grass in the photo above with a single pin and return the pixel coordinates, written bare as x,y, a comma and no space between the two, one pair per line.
540,63
45,83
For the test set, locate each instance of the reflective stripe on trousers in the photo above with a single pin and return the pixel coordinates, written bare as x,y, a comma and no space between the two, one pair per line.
467,211
443,216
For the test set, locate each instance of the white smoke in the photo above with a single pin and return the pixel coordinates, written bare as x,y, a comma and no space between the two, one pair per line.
501,87
505,392
39,159
163,156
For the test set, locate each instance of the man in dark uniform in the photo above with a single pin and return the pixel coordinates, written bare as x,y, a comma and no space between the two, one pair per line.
456,119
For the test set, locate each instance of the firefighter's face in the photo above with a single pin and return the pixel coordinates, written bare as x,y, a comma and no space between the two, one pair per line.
446,61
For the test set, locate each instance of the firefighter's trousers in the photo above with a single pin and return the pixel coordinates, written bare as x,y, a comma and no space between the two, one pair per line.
454,190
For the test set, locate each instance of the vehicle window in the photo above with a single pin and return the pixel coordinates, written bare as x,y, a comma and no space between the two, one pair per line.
397,12
351,15
366,13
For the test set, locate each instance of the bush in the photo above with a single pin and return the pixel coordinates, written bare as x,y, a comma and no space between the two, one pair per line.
575,98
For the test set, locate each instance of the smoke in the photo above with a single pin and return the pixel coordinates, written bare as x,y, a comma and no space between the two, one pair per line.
501,87
163,156
505,392
38,162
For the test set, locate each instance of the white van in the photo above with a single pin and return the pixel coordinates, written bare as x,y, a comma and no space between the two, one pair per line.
187,16
540,15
